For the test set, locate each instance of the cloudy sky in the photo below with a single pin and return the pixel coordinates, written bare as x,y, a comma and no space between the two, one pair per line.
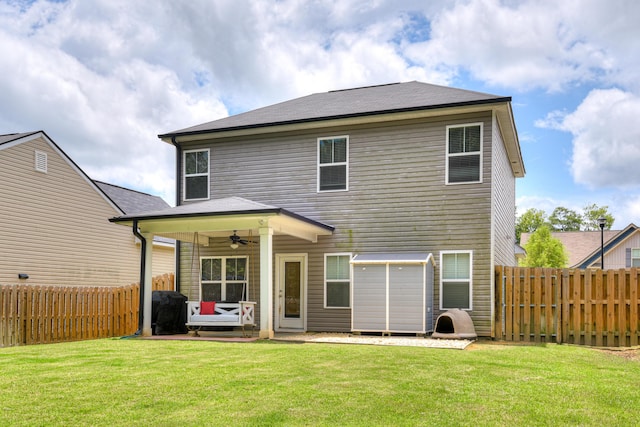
104,77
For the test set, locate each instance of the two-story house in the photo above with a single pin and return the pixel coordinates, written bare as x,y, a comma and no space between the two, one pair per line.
274,204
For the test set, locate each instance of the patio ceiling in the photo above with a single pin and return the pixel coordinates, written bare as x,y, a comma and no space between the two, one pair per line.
219,217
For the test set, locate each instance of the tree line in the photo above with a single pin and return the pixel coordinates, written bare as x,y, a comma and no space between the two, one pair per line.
543,250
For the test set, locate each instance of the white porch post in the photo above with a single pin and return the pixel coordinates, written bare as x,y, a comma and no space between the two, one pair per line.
148,282
266,283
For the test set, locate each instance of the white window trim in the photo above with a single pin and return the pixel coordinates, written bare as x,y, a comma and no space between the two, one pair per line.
41,161
184,173
346,164
223,281
632,257
324,280
447,154
442,281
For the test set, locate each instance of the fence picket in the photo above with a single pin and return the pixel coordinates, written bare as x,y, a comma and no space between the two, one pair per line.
508,303
588,305
633,307
548,304
536,293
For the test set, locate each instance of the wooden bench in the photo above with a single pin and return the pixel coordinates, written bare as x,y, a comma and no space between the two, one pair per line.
230,314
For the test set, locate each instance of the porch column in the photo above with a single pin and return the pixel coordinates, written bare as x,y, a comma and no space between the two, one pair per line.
266,282
148,283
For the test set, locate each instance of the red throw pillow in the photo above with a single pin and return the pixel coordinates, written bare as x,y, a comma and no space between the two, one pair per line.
207,307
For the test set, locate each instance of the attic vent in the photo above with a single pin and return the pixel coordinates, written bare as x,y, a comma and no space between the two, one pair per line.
41,161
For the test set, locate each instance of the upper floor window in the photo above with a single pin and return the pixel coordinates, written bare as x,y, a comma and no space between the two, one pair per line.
196,174
635,257
333,166
337,280
223,279
455,279
464,153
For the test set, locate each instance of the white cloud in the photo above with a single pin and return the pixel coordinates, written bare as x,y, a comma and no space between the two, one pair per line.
530,44
605,138
103,105
103,78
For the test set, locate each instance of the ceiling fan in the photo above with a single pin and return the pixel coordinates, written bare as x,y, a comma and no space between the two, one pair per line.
235,239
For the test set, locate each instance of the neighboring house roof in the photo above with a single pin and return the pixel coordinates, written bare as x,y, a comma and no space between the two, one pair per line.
132,201
14,136
609,244
583,247
384,102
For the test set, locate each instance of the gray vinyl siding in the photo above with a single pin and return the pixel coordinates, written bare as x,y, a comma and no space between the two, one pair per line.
397,201
55,226
504,203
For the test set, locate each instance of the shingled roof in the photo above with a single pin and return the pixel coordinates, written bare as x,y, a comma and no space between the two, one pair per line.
14,136
371,100
131,201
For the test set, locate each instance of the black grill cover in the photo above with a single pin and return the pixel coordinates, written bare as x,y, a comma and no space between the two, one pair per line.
168,313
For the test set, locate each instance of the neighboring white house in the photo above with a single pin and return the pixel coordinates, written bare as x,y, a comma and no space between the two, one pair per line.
54,220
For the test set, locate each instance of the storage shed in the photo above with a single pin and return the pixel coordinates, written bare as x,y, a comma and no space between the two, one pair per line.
392,292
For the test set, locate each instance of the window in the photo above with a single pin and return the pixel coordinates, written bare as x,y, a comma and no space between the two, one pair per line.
464,154
635,257
224,279
337,280
333,163
196,174
455,279
41,161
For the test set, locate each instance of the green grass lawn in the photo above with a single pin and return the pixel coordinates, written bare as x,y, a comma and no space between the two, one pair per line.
136,382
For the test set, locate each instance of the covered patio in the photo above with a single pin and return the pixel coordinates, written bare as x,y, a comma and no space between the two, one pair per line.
219,218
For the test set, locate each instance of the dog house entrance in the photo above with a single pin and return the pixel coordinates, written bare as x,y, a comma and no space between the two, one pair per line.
454,324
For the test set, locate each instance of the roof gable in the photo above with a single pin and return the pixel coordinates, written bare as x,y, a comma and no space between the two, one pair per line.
11,140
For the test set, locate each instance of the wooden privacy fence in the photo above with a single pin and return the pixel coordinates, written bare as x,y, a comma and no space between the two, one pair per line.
584,307
31,314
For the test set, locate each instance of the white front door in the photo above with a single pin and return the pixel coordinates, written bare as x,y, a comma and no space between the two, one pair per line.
291,282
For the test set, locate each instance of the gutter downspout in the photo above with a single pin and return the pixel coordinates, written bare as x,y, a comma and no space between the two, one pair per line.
143,252
178,197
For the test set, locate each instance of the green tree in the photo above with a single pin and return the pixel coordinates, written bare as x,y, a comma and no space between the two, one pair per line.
563,219
529,222
590,215
543,250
